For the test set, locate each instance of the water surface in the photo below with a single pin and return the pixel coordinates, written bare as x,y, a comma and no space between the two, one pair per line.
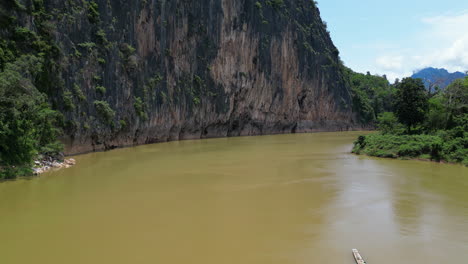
298,199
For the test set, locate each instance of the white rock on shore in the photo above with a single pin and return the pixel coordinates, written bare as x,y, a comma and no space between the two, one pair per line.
42,166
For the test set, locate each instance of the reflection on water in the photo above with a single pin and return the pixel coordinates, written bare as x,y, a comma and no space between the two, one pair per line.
273,199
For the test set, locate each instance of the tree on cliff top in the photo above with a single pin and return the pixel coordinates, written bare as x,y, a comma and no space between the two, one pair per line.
411,102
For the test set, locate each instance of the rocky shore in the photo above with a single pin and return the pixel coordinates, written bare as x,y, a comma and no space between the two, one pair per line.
48,164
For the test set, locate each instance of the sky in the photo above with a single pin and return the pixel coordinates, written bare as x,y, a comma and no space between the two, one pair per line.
399,37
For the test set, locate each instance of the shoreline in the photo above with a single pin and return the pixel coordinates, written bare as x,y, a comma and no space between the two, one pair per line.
41,166
412,159
49,164
123,146
422,147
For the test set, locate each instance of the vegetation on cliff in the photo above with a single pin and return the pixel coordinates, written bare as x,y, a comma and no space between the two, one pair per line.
28,125
424,126
372,95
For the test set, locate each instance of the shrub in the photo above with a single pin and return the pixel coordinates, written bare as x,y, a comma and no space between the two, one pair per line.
87,45
127,50
101,61
413,146
126,54
123,124
140,108
276,4
93,12
9,173
105,112
102,37
24,34
100,90
68,101
76,53
198,81
78,92
387,123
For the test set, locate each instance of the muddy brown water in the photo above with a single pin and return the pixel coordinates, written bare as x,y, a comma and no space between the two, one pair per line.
251,200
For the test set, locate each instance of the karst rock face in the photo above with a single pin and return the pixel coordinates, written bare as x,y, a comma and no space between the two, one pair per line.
145,71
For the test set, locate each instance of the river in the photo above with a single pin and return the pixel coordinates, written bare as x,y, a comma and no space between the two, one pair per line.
296,199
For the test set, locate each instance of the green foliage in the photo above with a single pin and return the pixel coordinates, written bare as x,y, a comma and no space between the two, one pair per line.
445,126
104,111
68,101
93,12
455,99
127,49
17,5
102,37
276,4
6,54
13,172
140,108
308,47
78,92
371,95
446,106
436,118
28,67
153,82
27,124
24,34
87,45
362,105
101,90
122,124
101,61
411,102
413,146
198,81
76,53
387,123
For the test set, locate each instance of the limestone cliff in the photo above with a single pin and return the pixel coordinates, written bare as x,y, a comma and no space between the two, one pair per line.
143,71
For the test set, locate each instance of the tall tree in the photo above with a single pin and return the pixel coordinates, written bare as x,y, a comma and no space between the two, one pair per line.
456,100
411,102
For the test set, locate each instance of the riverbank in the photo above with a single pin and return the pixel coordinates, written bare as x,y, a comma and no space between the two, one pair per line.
83,144
42,166
420,147
38,167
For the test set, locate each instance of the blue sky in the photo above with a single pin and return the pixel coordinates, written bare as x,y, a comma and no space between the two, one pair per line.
398,37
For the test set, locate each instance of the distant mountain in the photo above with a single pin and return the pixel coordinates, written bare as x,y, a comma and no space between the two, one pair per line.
433,77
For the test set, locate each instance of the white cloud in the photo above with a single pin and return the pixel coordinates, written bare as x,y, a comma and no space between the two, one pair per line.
443,44
390,63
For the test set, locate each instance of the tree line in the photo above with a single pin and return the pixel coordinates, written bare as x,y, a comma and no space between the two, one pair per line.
413,122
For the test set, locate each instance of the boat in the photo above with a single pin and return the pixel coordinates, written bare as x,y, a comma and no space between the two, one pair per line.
357,257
